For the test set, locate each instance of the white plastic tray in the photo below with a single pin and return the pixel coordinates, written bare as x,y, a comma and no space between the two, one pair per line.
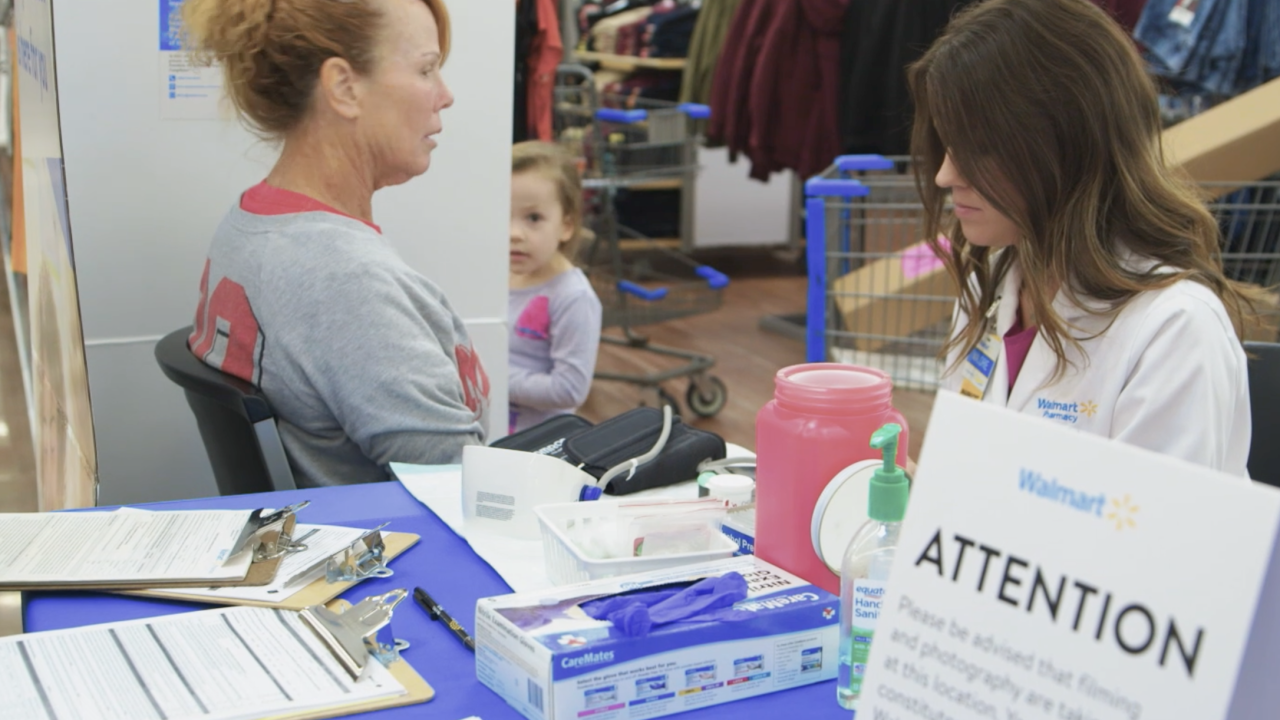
566,563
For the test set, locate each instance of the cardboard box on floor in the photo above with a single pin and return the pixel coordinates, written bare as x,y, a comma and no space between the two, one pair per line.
1238,140
893,297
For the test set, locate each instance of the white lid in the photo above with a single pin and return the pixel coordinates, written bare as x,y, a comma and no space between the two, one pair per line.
736,489
840,511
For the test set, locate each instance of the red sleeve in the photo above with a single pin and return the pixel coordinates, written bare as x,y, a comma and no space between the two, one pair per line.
548,50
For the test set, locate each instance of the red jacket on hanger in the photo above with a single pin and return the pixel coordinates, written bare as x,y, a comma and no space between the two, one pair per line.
546,54
776,88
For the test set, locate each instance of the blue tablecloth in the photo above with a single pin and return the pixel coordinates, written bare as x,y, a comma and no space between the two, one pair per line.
444,565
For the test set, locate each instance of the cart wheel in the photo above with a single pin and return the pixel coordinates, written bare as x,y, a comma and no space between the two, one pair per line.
707,399
665,398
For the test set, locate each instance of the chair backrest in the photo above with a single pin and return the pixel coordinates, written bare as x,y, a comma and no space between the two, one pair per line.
236,422
1264,398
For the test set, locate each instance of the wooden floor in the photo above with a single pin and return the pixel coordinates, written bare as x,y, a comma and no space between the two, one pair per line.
746,360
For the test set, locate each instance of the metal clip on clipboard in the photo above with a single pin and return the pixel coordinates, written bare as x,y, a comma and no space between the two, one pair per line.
267,546
365,558
359,633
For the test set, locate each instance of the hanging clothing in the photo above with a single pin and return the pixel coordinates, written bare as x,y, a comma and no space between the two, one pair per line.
668,33
704,49
546,52
604,34
880,39
1126,12
1218,47
775,92
526,31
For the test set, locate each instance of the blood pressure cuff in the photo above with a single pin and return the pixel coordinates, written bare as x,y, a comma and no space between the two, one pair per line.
595,449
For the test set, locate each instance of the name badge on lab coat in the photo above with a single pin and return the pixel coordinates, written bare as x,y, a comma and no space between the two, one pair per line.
978,366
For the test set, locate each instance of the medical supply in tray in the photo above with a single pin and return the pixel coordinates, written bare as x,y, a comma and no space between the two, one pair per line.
740,521
681,639
805,437
595,540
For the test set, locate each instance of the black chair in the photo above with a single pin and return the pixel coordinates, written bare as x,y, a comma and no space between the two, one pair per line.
236,422
1264,398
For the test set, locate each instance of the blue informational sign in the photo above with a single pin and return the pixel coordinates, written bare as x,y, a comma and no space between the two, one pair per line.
170,25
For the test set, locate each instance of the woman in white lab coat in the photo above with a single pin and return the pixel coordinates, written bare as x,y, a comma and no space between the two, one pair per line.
1091,292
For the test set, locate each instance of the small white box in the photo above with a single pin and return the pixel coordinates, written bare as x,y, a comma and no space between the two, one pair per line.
550,661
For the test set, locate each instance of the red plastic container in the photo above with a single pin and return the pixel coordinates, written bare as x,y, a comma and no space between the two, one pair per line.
819,422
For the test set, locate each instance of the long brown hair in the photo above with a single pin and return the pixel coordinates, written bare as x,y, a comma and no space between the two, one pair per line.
271,50
1046,110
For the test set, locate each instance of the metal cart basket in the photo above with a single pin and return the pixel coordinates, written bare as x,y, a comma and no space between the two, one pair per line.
879,297
623,142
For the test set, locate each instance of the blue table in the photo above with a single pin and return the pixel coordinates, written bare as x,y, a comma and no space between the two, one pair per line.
444,565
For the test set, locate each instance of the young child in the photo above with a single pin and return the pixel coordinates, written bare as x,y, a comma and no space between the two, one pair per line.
553,312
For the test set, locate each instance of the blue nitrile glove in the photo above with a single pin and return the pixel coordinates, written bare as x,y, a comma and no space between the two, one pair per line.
714,593
635,615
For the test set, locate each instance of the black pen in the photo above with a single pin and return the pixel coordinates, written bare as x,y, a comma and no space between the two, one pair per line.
435,612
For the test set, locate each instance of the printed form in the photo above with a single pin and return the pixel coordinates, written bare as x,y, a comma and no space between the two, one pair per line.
229,664
297,570
58,548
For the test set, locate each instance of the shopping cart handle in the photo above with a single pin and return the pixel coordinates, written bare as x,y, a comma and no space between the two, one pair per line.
835,187
640,291
854,163
716,280
625,117
697,111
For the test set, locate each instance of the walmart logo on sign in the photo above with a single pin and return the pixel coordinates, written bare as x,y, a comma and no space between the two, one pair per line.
1120,515
1120,512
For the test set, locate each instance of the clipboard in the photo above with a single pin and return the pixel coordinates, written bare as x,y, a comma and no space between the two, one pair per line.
417,691
371,618
346,643
322,590
268,536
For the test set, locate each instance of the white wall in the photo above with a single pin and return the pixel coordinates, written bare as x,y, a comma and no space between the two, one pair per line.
732,210
145,195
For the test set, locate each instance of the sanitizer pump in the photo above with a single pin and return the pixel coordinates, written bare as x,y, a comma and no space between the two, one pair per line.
864,574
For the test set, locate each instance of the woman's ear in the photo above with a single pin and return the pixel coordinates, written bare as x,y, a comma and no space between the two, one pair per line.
340,87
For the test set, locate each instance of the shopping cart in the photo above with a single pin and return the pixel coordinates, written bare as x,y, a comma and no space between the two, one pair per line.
879,297
622,142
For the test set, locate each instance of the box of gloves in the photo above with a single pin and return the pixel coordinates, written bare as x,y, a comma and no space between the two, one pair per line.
657,643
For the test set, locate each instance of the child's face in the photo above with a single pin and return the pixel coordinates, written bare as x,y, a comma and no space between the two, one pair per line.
538,224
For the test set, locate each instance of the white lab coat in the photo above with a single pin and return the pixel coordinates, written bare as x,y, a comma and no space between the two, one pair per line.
1169,375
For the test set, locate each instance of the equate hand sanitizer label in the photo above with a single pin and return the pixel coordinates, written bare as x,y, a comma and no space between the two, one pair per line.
868,596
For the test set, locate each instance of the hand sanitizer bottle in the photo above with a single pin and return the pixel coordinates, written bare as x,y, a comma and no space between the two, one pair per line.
864,574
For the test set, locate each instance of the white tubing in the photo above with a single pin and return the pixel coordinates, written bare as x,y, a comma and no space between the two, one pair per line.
630,466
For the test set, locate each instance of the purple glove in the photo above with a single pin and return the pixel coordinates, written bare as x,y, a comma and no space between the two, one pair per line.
635,615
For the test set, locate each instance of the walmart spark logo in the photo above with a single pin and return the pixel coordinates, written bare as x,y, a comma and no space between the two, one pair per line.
1122,513
1068,412
1118,512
